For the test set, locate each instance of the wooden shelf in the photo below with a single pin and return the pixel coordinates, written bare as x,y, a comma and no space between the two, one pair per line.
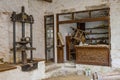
97,33
97,28
99,38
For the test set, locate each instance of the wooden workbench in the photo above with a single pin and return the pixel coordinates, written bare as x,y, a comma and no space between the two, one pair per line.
93,55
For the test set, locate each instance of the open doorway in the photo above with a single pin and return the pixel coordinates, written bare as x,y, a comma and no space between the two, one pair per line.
71,42
66,31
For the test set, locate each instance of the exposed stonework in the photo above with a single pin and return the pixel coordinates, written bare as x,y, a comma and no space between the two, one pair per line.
40,8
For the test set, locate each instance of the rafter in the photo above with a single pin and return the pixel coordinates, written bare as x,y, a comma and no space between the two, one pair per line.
48,0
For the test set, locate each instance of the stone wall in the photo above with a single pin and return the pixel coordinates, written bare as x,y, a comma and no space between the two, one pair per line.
40,8
33,7
6,9
4,40
59,5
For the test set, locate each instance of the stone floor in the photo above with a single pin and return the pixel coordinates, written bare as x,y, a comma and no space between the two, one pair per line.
67,71
69,77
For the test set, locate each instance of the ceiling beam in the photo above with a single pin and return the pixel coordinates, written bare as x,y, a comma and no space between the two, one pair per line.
48,0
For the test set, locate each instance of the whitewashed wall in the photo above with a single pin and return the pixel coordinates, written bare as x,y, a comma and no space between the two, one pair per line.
59,5
71,5
6,8
33,7
39,8
4,40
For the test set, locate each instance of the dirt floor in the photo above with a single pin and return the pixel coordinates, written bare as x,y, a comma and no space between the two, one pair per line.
69,77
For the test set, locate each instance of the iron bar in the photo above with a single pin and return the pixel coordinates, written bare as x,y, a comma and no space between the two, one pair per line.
31,45
14,42
23,36
23,30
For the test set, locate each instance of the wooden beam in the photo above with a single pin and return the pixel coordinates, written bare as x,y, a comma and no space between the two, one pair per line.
85,20
48,0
